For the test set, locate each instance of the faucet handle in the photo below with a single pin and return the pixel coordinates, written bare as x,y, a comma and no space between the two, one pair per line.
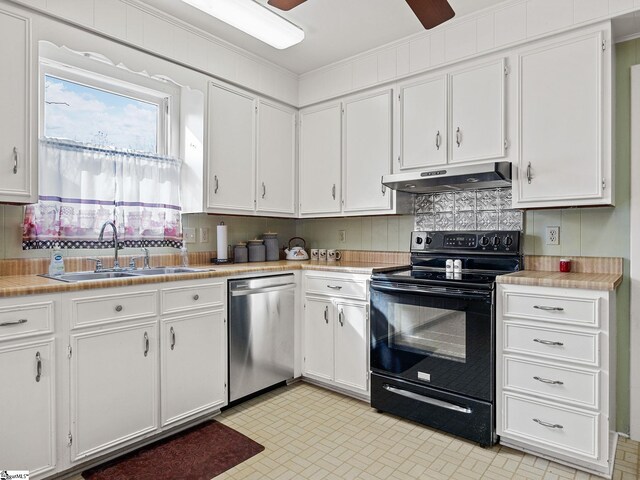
98,263
132,262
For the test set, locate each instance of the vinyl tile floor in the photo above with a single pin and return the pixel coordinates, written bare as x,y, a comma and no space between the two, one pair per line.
312,433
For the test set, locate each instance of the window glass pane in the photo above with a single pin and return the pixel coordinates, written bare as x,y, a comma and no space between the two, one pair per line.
89,115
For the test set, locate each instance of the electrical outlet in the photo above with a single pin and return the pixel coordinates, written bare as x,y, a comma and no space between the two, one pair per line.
189,235
553,236
204,234
342,236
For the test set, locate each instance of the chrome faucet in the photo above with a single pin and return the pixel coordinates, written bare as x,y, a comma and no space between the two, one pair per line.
116,264
132,262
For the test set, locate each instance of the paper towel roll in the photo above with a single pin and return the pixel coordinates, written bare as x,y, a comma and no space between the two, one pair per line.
221,236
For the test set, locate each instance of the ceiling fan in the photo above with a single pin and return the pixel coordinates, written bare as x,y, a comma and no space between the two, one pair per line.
431,13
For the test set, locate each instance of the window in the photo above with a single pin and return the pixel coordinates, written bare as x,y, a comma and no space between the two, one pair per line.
103,156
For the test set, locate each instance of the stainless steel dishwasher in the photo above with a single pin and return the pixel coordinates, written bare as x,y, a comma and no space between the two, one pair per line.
260,333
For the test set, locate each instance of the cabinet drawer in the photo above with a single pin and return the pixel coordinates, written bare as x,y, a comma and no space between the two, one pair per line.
551,381
343,287
552,343
110,308
551,426
552,308
193,297
25,320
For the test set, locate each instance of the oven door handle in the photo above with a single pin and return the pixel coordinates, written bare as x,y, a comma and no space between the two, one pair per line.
439,291
429,400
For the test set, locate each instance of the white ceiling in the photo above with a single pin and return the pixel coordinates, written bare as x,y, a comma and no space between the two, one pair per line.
335,29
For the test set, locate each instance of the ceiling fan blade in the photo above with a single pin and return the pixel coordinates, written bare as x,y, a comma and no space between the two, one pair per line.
285,4
431,13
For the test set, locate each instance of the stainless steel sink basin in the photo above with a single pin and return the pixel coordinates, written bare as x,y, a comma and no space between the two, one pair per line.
87,276
166,271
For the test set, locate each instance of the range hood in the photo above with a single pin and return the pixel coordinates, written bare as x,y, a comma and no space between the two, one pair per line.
451,178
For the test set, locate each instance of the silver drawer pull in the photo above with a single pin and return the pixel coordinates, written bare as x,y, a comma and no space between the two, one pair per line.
549,309
334,287
326,315
548,342
15,160
118,308
546,424
15,322
146,344
550,382
196,297
38,366
173,338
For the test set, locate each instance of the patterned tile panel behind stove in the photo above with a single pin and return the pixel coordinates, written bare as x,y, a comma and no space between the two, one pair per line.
468,210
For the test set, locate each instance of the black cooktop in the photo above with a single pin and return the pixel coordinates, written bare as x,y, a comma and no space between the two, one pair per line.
438,277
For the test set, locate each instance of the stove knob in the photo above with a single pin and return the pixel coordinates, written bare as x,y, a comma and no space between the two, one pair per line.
508,241
484,241
419,240
428,240
496,241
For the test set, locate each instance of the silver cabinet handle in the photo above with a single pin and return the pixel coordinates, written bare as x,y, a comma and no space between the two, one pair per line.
548,342
172,332
438,140
550,382
549,309
333,191
326,315
334,287
38,366
15,322
547,424
529,177
458,136
146,343
119,308
196,297
15,160
341,317
384,190
428,400
215,179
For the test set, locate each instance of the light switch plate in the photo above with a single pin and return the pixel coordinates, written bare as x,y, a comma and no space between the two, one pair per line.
553,236
189,235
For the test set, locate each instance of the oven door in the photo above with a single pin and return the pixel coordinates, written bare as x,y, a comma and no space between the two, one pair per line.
436,336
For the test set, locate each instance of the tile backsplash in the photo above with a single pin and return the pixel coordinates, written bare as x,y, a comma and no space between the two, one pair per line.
467,210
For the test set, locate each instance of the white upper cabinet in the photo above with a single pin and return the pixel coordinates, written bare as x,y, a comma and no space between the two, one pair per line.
231,160
423,123
564,123
320,159
477,116
18,138
368,133
276,164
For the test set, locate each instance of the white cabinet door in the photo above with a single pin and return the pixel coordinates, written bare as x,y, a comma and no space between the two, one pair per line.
423,123
477,113
17,156
318,338
276,179
560,113
194,357
367,151
320,159
231,147
114,387
27,415
351,346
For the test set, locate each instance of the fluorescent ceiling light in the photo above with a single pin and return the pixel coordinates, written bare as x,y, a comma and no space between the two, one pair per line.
254,19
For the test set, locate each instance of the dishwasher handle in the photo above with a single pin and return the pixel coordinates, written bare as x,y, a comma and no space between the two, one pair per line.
251,291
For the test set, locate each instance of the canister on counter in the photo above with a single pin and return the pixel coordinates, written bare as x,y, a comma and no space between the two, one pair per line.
240,253
271,245
257,250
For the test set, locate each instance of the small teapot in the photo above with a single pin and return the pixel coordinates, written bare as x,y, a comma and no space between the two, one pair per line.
296,253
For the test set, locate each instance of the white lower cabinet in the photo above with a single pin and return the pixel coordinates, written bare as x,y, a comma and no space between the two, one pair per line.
336,333
114,386
191,344
555,368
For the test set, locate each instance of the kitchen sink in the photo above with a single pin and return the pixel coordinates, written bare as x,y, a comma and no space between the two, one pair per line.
87,276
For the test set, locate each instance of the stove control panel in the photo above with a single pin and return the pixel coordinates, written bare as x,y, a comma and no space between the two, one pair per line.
490,241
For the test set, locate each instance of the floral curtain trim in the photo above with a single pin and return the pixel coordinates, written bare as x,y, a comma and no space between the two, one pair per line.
83,186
